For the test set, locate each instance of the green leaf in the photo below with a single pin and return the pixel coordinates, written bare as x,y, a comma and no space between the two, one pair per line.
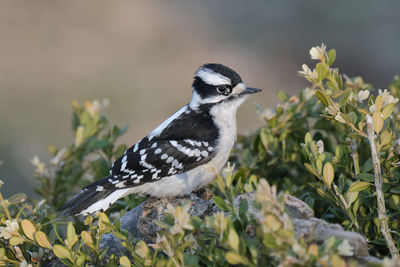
322,97
331,57
369,177
379,103
377,120
98,144
308,138
344,97
311,169
332,85
124,261
282,96
72,238
119,235
17,198
234,258
318,163
244,206
322,71
394,202
385,137
368,166
359,186
80,260
142,249
352,117
221,204
61,252
233,239
328,174
387,111
16,240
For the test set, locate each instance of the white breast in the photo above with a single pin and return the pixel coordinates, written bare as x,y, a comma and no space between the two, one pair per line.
182,184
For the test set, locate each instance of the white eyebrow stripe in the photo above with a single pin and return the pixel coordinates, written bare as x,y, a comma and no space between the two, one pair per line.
212,78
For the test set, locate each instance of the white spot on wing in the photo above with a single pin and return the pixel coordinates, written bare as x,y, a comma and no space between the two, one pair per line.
170,159
135,148
99,188
120,184
204,153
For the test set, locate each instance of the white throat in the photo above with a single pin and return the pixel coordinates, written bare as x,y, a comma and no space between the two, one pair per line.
224,115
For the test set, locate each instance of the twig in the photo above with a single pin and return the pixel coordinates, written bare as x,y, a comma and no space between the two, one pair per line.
346,206
379,193
354,155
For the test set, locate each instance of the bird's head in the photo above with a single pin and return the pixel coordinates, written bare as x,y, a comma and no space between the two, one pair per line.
215,83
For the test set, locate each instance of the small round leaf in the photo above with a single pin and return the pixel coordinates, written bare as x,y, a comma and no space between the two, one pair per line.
28,228
328,174
42,239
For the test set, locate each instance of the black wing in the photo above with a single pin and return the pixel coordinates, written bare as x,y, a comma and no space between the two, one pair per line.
150,161
187,142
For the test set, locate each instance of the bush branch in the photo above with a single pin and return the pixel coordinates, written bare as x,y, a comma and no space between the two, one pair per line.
379,193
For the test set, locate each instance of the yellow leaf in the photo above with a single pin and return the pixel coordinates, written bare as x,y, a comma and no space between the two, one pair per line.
387,111
233,239
394,202
61,252
313,250
28,228
359,186
72,238
142,249
124,261
234,258
42,240
86,237
318,163
386,137
80,260
328,174
79,136
377,120
272,222
337,261
379,103
16,240
103,222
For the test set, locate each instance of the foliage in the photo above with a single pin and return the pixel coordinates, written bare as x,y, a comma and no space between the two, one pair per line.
313,145
326,137
85,160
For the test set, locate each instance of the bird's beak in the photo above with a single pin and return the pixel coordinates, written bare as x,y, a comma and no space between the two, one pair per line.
251,90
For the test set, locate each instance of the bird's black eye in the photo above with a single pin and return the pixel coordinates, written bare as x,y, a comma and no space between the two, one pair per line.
224,89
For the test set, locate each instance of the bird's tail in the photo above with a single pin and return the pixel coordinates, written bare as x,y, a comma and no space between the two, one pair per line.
97,196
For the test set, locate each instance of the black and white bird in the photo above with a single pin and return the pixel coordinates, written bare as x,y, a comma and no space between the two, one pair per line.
178,156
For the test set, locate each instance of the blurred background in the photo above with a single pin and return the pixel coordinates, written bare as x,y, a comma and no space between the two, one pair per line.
141,55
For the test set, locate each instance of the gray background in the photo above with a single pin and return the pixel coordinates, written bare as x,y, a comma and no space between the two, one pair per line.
141,55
